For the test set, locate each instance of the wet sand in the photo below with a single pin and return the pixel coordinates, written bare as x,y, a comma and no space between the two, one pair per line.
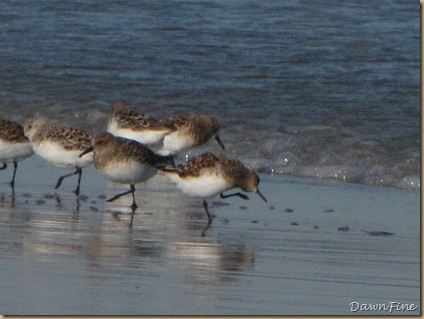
314,248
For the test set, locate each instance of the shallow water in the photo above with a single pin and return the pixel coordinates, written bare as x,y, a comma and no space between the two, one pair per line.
310,89
314,248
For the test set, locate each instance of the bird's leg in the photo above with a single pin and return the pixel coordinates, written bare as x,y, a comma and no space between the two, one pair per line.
132,190
3,167
205,205
78,171
77,190
118,195
15,167
133,205
243,196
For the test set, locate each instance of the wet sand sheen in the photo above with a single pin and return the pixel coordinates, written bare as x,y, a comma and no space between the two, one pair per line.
314,248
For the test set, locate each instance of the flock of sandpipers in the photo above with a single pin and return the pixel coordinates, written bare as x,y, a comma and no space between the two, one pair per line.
123,154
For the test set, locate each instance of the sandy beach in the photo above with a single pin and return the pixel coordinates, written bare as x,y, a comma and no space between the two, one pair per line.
317,247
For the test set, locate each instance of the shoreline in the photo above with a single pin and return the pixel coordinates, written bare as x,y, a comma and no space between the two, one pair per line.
96,188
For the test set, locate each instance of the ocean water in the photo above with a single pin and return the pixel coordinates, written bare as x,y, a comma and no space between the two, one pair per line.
322,89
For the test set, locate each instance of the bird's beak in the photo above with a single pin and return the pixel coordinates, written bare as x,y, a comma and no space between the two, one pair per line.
88,150
261,195
219,142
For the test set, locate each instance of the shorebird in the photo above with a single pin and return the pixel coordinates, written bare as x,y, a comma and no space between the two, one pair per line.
128,123
208,175
125,161
14,146
189,131
60,145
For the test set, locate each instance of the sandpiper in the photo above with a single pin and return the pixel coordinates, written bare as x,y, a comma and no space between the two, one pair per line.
208,175
60,145
131,124
125,161
188,131
14,146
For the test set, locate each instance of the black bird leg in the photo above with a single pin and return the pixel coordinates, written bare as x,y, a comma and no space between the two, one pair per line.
78,171
15,167
243,196
132,190
205,205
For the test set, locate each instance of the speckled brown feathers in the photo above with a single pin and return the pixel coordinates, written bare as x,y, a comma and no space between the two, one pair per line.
201,127
197,165
237,174
68,137
111,149
128,118
12,132
231,169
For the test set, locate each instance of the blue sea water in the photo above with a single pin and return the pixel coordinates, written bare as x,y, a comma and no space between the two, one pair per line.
323,89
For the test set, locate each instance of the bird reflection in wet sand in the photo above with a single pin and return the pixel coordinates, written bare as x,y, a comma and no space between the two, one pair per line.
208,175
204,261
125,161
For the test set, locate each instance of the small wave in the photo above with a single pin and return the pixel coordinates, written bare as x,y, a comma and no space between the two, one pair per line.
315,151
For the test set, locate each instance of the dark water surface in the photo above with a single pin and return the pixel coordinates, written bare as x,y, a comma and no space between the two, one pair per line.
306,88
